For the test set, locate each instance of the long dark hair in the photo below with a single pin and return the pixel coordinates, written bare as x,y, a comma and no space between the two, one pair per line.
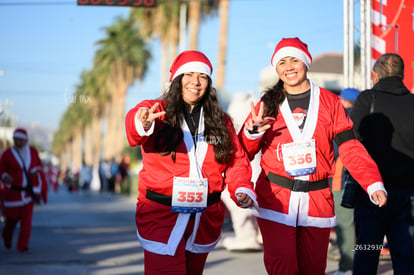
272,98
215,122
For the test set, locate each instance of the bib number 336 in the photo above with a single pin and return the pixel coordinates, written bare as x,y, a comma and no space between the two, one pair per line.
299,158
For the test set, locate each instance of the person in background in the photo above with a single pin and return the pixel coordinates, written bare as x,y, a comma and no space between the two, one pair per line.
344,229
85,176
384,121
294,125
104,175
246,231
114,171
22,173
124,173
190,153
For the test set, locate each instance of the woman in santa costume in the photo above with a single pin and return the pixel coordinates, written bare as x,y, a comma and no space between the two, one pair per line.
293,126
190,151
21,171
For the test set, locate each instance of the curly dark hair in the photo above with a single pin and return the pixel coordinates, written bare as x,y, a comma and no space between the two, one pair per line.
272,98
215,120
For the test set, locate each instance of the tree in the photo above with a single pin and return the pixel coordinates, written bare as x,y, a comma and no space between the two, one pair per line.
161,22
224,22
123,54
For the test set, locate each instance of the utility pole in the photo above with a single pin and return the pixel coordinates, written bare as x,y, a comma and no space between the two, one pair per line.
349,57
183,27
366,57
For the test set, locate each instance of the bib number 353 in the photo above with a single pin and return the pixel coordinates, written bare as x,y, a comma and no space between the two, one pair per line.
189,195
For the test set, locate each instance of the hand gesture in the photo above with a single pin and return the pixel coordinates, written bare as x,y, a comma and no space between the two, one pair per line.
147,116
245,200
380,198
7,179
256,123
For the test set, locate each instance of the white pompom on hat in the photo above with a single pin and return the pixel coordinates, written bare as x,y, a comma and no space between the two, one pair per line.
20,133
190,61
291,47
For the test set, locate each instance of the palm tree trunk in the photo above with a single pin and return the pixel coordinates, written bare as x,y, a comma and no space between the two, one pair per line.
114,136
88,145
65,157
224,19
118,128
194,23
173,38
96,139
77,150
164,66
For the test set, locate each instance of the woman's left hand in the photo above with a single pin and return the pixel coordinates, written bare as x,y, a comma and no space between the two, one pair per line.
244,200
380,198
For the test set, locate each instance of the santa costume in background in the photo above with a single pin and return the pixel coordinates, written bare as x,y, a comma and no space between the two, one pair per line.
246,236
161,231
295,221
18,203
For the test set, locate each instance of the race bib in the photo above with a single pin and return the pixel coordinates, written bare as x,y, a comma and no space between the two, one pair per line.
189,195
299,158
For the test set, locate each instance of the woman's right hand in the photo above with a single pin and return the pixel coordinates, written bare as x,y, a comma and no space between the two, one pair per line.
147,116
256,123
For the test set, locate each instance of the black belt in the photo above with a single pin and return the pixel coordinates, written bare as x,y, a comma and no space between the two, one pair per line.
19,188
297,185
167,200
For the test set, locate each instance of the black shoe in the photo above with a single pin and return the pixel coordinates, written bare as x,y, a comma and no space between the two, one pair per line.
26,251
7,245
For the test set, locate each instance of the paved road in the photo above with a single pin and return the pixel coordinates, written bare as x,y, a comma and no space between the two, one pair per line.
95,234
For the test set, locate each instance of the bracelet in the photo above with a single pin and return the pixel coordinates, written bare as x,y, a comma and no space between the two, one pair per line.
254,130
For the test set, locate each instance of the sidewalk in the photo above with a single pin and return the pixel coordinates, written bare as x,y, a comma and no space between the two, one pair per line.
95,234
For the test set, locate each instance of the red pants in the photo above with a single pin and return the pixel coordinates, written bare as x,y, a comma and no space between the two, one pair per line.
294,250
13,215
182,263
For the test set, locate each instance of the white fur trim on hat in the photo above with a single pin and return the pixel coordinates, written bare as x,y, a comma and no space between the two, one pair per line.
19,135
291,51
195,66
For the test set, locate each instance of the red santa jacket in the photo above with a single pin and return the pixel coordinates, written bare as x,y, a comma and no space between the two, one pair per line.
326,118
16,194
159,229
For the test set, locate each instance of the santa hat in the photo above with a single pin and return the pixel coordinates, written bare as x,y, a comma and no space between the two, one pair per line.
190,61
20,133
292,47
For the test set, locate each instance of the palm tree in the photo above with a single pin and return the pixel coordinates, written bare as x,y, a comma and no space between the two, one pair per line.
67,140
161,22
198,11
123,54
194,18
224,22
97,92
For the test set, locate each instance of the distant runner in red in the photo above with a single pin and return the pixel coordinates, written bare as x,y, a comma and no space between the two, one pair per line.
24,180
293,126
190,152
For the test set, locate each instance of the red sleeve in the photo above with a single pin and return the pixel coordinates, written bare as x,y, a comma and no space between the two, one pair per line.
353,154
133,137
239,172
39,168
251,146
45,189
359,163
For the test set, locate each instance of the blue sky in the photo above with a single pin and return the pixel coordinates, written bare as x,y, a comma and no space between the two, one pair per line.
44,48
